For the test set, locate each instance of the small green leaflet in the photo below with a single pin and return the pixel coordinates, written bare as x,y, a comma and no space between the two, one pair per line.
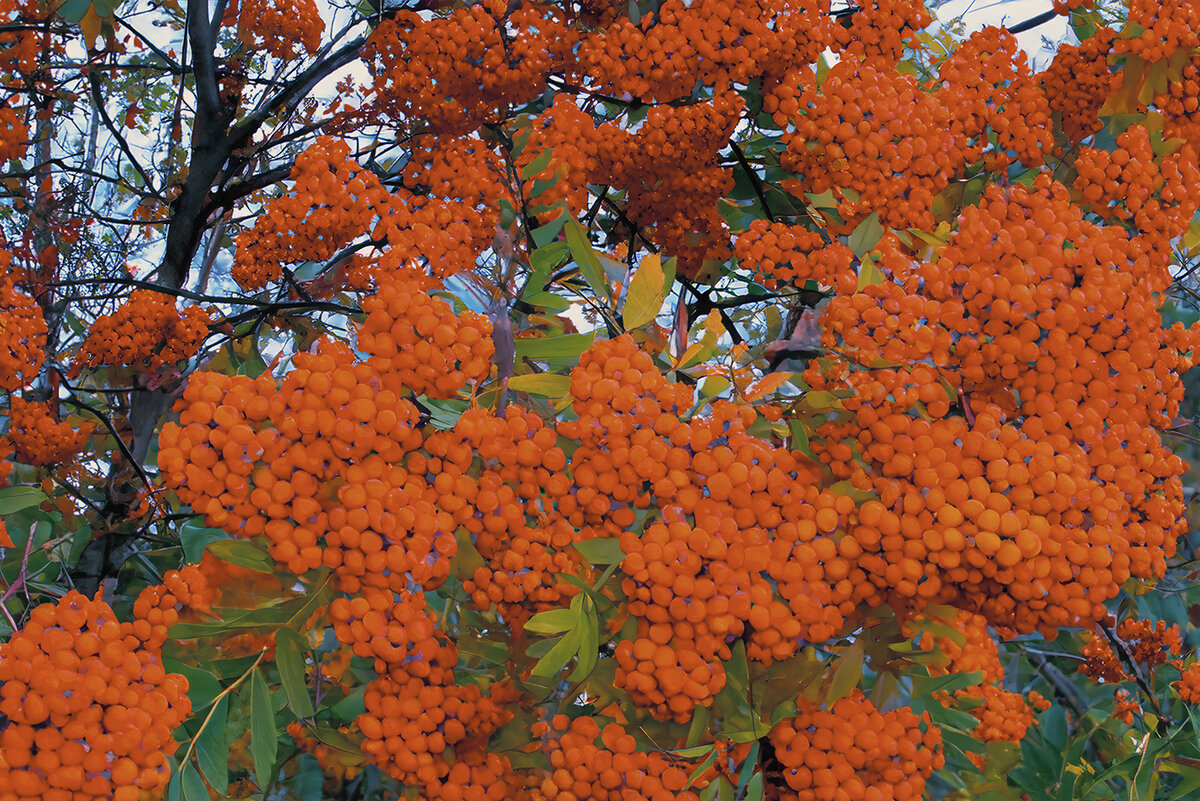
264,738
289,657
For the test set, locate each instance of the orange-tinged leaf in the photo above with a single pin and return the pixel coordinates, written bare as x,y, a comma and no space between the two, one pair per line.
766,385
1125,99
90,25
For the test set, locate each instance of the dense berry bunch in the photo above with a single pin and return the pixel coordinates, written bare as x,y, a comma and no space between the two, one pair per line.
508,510
878,30
1100,662
791,254
39,438
1166,27
612,770
1078,81
418,343
988,85
147,330
743,542
458,71
1189,684
281,27
853,751
22,334
1151,644
333,202
86,709
1130,184
671,170
467,176
1181,104
712,42
1003,716
873,131
421,727
1037,346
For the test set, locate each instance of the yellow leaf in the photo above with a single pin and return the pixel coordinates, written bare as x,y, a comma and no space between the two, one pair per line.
647,291
868,273
1124,100
547,385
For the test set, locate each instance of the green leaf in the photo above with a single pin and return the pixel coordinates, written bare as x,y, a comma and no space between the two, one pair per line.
754,788
194,536
545,234
647,291
289,657
927,685
560,346
192,785
212,748
589,644
747,770
868,274
847,673
14,499
557,657
73,10
585,256
553,621
351,706
548,301
600,551
540,162
336,739
243,553
547,385
309,780
203,687
544,259
264,737
866,235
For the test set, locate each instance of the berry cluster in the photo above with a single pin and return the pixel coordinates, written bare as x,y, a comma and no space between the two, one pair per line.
22,333
146,331
86,709
37,436
281,27
853,751
611,770
791,254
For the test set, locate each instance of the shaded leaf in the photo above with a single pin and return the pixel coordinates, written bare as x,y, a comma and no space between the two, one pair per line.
557,657
866,234
243,553
212,748
289,657
264,737
600,551
559,346
14,499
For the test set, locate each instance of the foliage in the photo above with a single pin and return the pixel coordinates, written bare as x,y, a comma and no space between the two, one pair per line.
728,399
